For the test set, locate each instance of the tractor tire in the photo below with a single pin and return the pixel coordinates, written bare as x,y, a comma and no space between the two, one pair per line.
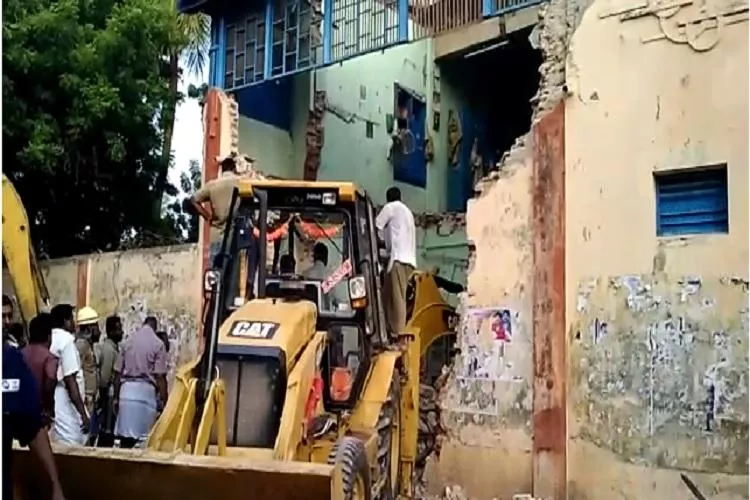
350,453
389,428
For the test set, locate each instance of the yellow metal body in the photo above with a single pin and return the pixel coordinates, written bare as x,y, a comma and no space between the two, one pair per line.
18,254
187,455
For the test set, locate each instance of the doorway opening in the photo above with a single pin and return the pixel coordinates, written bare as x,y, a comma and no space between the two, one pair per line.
486,94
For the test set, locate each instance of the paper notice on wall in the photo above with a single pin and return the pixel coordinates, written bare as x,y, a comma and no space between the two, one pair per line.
485,334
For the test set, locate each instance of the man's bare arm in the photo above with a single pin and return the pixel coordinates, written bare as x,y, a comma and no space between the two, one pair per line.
202,211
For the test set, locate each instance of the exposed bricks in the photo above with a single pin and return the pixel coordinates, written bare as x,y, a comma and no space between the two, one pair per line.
315,136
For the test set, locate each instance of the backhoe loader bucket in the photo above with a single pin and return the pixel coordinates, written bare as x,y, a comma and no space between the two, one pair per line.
119,474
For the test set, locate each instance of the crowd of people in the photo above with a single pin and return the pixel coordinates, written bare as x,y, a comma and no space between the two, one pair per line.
63,383
93,391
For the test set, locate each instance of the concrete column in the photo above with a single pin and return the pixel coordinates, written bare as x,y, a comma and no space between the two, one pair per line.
549,450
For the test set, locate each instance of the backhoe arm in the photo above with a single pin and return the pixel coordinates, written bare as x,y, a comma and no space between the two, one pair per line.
19,256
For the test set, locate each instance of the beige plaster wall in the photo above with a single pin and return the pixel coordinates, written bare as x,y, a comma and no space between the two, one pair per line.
658,366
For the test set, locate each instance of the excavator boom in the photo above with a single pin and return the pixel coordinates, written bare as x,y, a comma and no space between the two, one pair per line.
18,254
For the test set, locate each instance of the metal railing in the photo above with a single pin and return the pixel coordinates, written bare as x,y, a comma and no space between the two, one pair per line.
433,17
283,37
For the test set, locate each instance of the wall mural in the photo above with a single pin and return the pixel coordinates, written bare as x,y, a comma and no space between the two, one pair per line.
698,24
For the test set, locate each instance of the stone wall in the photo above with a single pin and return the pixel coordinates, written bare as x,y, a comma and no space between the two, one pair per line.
163,282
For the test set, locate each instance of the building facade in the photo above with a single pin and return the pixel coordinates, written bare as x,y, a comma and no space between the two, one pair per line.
601,150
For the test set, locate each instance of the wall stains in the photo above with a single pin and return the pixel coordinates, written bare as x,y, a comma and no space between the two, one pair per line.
163,282
179,325
663,379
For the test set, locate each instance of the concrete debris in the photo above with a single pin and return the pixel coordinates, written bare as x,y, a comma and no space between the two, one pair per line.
430,435
431,431
457,493
450,493
553,38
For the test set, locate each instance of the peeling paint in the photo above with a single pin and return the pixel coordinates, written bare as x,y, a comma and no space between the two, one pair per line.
667,384
162,282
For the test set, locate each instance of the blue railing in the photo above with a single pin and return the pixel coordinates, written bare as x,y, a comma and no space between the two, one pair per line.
491,8
284,37
276,38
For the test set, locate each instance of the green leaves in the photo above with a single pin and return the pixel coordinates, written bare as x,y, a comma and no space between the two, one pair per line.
83,90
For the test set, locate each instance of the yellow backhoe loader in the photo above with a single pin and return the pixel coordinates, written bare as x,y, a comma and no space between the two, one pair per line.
19,257
301,392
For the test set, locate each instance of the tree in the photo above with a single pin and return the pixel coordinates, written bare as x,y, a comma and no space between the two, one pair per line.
184,221
196,32
84,85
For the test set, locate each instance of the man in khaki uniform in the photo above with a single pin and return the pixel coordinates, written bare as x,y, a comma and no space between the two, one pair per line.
217,193
86,340
109,350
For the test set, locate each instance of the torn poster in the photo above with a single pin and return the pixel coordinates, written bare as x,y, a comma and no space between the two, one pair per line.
472,396
485,334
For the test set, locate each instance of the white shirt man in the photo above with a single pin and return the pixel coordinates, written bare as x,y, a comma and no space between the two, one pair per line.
395,224
69,422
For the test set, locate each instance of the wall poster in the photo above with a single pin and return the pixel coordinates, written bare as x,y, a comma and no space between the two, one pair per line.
485,333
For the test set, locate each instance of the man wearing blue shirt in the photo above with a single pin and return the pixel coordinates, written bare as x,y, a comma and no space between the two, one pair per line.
22,420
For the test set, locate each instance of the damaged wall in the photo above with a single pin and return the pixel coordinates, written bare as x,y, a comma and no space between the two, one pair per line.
362,91
658,375
658,366
657,328
163,282
487,406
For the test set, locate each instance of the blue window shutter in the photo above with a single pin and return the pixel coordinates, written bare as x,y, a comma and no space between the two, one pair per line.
692,202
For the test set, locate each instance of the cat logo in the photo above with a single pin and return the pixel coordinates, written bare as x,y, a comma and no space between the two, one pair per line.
254,329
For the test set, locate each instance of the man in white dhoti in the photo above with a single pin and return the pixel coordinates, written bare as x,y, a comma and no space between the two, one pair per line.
140,384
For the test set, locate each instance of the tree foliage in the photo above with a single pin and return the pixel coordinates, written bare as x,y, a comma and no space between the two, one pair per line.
85,83
196,32
184,220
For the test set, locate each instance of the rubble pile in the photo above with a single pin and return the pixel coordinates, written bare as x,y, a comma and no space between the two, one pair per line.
431,431
450,493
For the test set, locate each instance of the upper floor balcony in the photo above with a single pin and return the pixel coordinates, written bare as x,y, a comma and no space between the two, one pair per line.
261,40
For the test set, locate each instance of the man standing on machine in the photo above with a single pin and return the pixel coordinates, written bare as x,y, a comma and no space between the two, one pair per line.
395,224
217,194
213,202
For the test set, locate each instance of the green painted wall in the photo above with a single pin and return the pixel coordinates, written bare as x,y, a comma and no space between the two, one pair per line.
358,91
362,90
